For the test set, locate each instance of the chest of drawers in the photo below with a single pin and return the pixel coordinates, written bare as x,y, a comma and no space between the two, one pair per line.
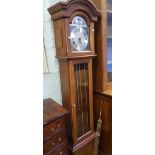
54,129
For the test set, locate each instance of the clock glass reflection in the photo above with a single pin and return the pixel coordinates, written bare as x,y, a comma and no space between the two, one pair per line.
79,34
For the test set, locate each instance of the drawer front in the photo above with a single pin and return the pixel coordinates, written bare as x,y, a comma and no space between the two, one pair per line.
54,128
55,141
62,150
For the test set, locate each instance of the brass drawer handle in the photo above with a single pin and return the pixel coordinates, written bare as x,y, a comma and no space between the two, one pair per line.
58,128
59,139
53,143
53,129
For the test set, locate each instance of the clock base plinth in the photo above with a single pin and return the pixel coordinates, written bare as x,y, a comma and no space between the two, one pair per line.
85,147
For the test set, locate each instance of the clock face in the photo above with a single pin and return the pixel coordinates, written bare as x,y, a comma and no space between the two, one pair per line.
79,34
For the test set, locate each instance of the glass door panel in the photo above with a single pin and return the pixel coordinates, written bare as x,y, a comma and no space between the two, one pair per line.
82,98
109,4
109,40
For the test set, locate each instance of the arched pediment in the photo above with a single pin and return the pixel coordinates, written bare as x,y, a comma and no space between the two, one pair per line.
66,9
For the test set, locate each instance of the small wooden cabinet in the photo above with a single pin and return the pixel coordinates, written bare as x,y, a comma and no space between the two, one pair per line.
103,103
54,129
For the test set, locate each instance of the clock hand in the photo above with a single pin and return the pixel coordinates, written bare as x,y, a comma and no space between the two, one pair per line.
80,40
80,29
78,43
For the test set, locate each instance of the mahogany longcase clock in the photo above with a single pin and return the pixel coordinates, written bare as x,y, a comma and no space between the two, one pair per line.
74,37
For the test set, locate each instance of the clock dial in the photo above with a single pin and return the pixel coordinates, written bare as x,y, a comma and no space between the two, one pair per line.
79,34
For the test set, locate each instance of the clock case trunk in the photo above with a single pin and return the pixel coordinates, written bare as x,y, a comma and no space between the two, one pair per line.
67,71
62,15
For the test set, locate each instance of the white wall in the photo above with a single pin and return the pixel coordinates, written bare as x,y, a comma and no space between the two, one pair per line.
51,80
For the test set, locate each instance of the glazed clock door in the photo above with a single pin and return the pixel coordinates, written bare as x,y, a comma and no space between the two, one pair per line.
82,97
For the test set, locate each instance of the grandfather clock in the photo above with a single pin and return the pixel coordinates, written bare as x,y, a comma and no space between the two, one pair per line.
74,38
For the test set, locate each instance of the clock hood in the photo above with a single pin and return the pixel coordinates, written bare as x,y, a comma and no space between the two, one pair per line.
66,9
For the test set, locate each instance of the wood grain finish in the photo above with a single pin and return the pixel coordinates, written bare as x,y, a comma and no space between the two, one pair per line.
52,111
102,89
55,141
100,62
105,145
54,128
65,10
62,14
86,149
62,150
